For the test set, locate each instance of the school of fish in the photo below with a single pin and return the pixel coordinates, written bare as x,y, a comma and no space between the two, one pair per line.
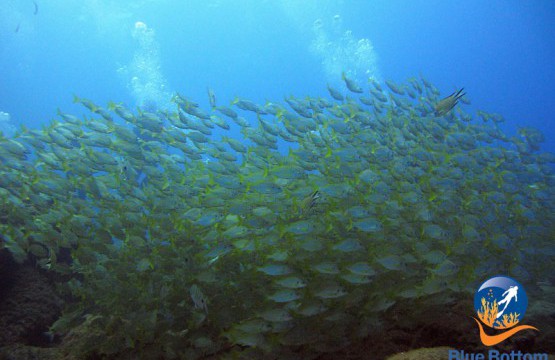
187,243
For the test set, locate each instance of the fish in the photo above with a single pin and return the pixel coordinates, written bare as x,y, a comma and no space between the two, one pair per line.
361,268
355,278
369,224
330,291
300,227
235,144
379,96
348,245
248,105
335,93
395,88
327,267
351,84
446,104
288,172
227,111
276,315
291,282
211,98
308,203
283,296
311,308
445,268
322,213
198,298
391,262
275,269
218,121
299,106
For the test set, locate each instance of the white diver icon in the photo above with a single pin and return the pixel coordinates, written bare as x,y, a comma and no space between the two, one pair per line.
510,293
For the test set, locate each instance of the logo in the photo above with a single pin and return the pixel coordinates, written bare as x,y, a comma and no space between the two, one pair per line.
500,303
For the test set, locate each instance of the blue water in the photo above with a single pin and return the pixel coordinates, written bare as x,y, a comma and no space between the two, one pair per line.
501,51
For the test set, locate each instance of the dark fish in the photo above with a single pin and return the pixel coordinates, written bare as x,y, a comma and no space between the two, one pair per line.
211,98
36,8
17,28
308,203
446,104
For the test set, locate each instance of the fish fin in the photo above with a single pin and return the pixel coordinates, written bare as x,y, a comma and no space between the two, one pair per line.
22,130
112,105
66,167
279,114
350,225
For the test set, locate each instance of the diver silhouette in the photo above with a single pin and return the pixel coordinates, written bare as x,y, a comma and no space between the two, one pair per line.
510,293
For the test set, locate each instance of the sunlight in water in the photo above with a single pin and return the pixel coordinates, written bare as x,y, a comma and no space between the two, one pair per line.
143,75
6,126
340,51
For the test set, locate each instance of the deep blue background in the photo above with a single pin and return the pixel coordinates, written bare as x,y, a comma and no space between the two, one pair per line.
502,52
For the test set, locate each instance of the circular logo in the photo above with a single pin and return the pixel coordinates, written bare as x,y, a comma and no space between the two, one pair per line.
500,302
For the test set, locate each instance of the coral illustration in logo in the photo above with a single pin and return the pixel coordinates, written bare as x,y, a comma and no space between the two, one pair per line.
500,303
